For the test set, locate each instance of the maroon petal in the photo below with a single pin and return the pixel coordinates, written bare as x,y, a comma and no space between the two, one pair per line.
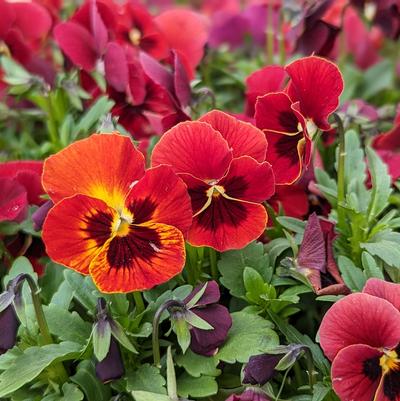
116,67
211,294
8,328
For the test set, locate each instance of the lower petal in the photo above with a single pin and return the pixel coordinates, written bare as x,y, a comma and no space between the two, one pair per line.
149,255
356,373
76,229
228,224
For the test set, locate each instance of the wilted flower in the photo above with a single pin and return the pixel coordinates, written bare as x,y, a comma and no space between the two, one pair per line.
360,334
221,160
123,226
8,328
260,369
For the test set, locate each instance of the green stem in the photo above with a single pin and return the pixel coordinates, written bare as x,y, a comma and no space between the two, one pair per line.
51,122
59,369
283,384
213,263
341,190
140,308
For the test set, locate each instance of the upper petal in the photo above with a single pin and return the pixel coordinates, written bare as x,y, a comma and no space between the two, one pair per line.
195,148
317,84
103,166
161,197
249,180
384,289
359,319
149,255
76,229
244,138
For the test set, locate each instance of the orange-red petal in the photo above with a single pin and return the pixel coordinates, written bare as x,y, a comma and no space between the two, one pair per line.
149,255
76,229
103,166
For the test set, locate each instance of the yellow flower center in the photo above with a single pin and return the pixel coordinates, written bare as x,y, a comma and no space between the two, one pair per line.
215,191
389,361
121,224
134,36
311,128
4,49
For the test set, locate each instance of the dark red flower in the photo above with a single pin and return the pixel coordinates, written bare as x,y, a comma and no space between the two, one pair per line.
261,368
250,394
8,328
207,342
361,335
221,160
315,258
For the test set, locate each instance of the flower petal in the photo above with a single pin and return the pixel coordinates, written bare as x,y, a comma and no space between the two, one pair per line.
316,84
103,166
359,319
76,229
161,197
356,373
195,148
384,289
149,255
228,224
249,180
13,200
210,295
116,67
244,138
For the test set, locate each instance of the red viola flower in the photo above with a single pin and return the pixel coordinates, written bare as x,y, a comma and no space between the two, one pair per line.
85,36
221,160
189,46
113,220
315,258
20,186
361,335
290,119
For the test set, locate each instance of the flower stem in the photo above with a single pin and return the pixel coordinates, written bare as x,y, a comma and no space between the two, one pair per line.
213,263
140,308
283,384
341,190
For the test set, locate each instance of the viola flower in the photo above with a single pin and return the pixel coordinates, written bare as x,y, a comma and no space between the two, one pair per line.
111,367
315,258
221,160
123,226
360,334
9,324
261,368
207,342
290,119
250,394
20,187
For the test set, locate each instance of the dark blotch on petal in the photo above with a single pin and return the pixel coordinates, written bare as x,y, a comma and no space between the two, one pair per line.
391,385
99,226
8,328
142,209
111,367
372,369
286,146
260,369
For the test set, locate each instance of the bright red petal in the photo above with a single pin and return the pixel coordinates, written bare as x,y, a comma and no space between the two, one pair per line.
266,80
244,138
161,197
356,373
249,180
7,17
13,200
76,229
228,224
317,84
359,319
103,166
149,255
292,198
384,289
195,148
77,43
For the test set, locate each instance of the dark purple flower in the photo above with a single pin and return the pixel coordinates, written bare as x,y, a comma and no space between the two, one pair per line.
111,367
8,328
261,368
40,214
250,394
206,342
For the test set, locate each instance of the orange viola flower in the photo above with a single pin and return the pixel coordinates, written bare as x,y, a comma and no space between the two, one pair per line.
112,219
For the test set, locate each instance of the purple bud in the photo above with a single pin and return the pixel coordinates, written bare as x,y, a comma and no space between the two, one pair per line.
8,328
40,214
111,367
250,394
260,369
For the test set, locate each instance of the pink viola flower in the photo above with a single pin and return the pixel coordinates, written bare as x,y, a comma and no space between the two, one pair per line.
222,161
360,334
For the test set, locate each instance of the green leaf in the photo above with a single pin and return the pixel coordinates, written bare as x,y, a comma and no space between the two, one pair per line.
197,365
101,339
352,275
63,296
119,334
86,379
370,266
381,184
292,224
171,377
249,335
146,378
327,186
320,391
32,362
182,332
386,250
196,321
377,78
198,387
275,248
148,396
67,326
232,265
70,392
196,297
